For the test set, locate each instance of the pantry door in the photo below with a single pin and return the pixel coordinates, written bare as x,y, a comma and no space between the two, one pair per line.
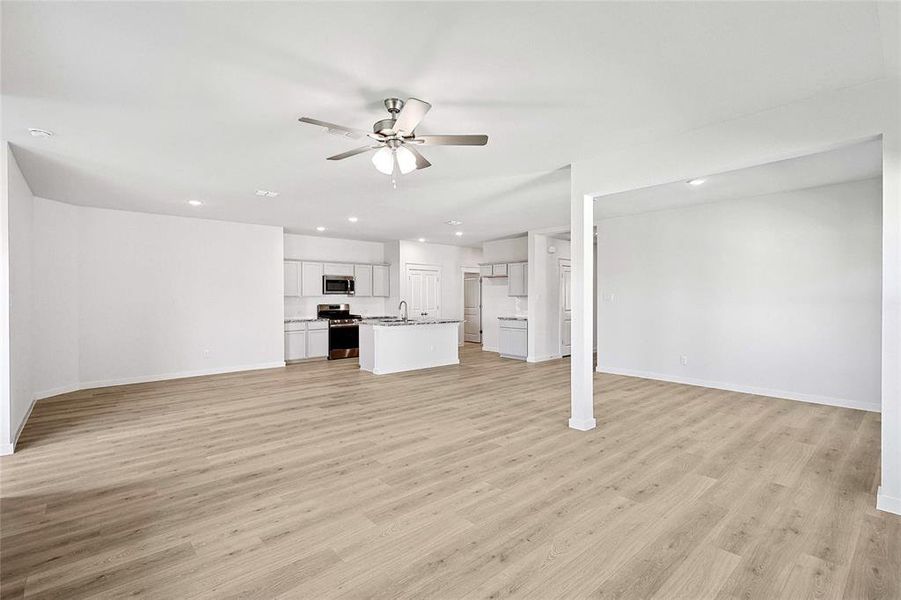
424,291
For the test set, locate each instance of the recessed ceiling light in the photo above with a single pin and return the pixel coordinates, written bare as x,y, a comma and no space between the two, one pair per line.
266,193
195,202
458,233
320,228
39,132
695,181
352,219
421,239
454,222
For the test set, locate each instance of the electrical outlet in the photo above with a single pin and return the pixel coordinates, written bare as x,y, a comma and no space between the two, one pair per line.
206,352
684,360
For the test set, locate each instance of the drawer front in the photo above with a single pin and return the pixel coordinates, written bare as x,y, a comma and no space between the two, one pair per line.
511,324
316,325
299,326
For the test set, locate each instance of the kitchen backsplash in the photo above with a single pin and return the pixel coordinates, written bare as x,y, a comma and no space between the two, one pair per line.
305,307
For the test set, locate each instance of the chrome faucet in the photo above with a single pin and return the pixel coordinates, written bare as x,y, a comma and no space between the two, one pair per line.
404,304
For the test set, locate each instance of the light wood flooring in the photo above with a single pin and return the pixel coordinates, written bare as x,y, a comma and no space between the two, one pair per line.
321,481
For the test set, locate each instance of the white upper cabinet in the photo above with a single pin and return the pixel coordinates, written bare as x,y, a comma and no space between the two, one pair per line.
499,270
292,279
486,270
338,269
380,281
517,279
311,279
363,280
304,278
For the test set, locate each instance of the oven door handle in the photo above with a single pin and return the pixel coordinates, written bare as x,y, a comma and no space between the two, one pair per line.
343,325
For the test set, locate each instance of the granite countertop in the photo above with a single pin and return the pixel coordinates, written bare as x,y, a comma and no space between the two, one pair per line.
513,318
302,319
399,323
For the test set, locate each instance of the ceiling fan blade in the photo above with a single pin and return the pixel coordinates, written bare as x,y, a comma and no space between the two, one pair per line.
411,115
350,153
349,131
421,161
451,140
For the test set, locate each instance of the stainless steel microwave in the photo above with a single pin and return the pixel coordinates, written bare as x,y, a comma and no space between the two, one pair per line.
337,285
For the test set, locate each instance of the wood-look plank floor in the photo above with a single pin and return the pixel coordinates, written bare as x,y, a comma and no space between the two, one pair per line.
321,481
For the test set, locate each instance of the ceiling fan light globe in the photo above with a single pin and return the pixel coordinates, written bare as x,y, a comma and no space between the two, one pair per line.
383,160
406,160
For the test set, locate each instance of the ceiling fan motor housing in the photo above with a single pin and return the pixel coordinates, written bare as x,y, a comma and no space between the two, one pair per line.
384,127
394,105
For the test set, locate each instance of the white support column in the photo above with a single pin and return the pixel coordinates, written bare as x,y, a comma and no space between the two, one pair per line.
889,496
582,361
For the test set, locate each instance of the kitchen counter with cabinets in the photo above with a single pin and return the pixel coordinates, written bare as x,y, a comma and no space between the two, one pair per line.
513,337
394,346
305,338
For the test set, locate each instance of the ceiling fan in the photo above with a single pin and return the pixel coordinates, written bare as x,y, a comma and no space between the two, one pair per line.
396,139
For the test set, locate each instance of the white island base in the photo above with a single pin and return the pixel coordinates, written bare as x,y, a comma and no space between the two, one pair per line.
396,347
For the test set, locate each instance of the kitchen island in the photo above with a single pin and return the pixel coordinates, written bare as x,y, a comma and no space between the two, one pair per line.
396,345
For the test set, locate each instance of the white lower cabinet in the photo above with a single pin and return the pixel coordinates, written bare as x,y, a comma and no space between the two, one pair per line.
317,339
513,338
296,345
306,339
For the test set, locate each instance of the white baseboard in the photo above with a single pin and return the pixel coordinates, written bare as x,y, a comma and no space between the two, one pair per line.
744,389
537,359
86,385
64,389
488,349
887,503
7,449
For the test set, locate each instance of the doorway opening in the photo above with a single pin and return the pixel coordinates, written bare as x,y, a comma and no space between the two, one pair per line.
472,308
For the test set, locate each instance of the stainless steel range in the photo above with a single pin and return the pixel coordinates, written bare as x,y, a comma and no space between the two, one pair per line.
343,330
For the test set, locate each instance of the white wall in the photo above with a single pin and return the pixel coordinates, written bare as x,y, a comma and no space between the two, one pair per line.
778,294
811,125
326,249
452,260
55,304
495,301
18,400
507,250
5,446
544,295
157,292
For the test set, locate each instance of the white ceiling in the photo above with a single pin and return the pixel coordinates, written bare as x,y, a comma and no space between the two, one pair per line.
848,163
153,104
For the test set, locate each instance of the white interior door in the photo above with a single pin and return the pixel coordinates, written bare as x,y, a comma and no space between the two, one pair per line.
566,309
472,308
424,285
